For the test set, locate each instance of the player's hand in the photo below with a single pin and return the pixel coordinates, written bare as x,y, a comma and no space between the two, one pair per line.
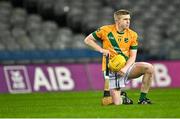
105,52
122,71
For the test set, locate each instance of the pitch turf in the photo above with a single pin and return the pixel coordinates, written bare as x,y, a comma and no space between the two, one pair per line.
87,104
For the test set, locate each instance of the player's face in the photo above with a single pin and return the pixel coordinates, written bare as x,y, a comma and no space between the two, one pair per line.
124,21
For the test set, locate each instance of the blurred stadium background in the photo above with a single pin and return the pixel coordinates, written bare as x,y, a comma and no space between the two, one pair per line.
33,31
41,38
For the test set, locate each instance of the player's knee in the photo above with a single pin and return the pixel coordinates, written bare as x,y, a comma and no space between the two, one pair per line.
116,97
117,102
149,68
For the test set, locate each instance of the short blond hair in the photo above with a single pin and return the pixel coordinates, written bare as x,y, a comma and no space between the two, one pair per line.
120,12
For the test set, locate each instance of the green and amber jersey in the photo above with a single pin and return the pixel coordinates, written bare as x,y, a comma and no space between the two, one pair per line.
116,42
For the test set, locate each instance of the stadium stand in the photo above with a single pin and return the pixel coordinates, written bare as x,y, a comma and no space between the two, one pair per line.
53,30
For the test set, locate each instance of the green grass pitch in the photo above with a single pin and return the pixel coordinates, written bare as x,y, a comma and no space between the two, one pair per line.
87,104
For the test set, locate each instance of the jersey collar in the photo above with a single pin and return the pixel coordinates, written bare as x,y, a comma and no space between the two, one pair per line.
121,33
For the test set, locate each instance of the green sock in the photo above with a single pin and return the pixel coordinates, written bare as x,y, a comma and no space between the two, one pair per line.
142,96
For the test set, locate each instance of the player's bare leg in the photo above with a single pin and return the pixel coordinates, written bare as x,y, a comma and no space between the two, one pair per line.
147,70
117,100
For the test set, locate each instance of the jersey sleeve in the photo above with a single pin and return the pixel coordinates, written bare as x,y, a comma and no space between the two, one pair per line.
98,34
134,43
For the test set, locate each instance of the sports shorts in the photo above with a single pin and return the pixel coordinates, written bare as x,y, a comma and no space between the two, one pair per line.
117,81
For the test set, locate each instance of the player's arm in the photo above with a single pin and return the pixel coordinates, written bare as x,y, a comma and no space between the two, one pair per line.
133,53
91,41
132,58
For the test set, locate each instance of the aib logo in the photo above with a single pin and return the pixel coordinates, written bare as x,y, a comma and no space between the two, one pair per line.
17,79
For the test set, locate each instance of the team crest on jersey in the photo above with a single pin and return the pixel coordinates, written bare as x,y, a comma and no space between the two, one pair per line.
126,40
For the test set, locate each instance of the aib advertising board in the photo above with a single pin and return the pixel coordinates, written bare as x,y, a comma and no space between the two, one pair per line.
75,77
